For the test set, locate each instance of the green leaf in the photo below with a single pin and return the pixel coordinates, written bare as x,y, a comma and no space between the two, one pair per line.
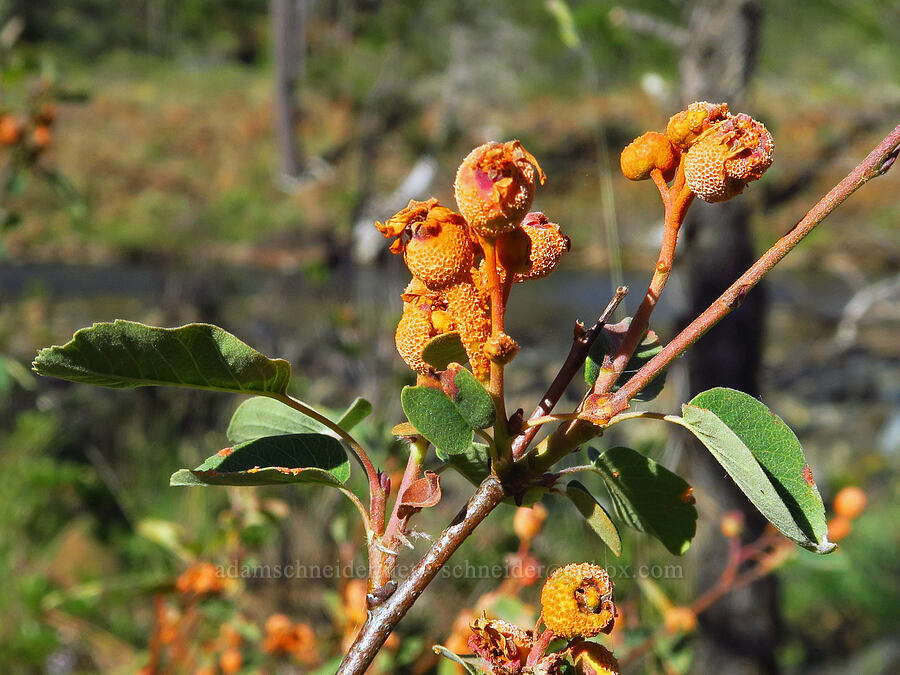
128,354
471,398
608,342
595,515
437,418
355,413
765,459
474,464
648,497
291,458
261,416
443,350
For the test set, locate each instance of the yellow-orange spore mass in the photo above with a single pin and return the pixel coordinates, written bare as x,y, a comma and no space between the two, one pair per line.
684,127
593,659
413,332
548,244
649,151
726,157
577,601
495,186
472,315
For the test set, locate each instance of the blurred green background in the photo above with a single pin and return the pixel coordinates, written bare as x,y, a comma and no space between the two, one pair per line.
165,197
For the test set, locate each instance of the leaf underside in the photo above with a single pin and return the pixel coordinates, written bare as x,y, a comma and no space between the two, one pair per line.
595,515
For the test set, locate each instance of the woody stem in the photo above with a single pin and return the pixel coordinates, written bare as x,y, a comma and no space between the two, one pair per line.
676,200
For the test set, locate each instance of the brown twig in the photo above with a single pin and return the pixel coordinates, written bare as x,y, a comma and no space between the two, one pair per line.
385,617
581,346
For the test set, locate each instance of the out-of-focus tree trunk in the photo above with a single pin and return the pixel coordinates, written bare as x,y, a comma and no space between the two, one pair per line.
716,62
288,21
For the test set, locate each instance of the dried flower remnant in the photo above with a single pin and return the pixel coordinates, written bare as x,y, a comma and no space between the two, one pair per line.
593,659
503,645
647,152
495,186
577,601
727,156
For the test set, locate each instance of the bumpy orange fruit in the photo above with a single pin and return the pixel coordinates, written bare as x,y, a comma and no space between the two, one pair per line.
548,244
649,151
495,186
684,127
727,156
413,332
472,314
577,601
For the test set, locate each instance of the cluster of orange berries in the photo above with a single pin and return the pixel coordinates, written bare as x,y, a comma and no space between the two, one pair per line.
849,503
719,152
576,603
30,134
202,578
445,253
283,636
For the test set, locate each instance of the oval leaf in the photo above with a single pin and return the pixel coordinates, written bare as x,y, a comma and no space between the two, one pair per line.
443,350
471,398
595,515
765,459
261,416
649,497
437,418
474,464
128,354
291,458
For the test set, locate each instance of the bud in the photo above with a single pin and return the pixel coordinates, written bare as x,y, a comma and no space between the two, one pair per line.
528,522
679,619
501,348
732,524
839,527
850,502
684,127
726,157
594,659
41,137
495,186
651,151
577,601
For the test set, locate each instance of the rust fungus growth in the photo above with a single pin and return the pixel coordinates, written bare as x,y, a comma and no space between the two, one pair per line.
577,601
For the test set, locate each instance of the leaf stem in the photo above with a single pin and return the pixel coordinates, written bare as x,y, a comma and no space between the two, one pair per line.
376,493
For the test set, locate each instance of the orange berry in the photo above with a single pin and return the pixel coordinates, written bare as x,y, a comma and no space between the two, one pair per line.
414,332
652,150
495,186
435,242
472,315
850,502
684,127
839,527
528,521
41,136
577,601
501,644
10,130
230,661
727,156
593,659
732,524
548,244
679,619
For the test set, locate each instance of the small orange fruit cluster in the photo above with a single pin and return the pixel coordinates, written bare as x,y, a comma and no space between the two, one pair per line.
283,636
577,601
31,134
849,503
720,153
450,289
201,578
